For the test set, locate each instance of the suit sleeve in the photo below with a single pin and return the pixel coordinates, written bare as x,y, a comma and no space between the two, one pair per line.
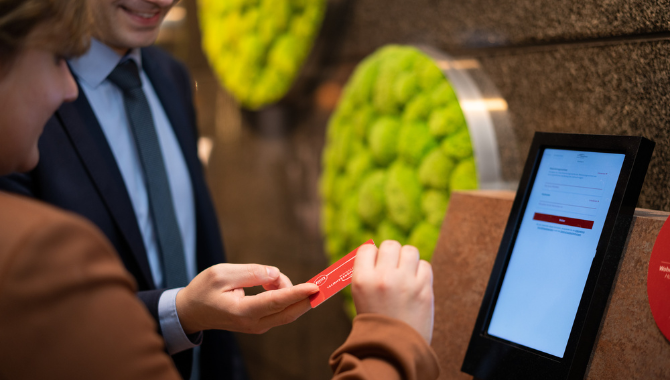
69,311
383,348
150,299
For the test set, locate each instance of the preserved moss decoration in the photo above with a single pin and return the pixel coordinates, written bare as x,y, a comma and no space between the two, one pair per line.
396,147
256,47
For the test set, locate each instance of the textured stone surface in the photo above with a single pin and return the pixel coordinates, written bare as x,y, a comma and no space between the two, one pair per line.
617,89
630,346
456,25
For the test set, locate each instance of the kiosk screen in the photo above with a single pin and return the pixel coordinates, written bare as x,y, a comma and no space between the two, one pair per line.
554,249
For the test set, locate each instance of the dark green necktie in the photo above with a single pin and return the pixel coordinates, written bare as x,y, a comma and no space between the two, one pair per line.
126,76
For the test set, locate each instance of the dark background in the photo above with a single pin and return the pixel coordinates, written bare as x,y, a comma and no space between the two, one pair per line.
562,66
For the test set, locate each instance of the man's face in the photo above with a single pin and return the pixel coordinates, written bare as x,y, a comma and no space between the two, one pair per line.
128,24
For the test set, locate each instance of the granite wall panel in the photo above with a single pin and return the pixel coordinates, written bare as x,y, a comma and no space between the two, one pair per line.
473,24
621,89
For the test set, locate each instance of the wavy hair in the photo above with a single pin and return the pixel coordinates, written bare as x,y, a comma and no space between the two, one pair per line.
61,26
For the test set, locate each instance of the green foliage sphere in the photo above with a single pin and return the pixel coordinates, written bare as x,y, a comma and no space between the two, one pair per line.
256,47
396,146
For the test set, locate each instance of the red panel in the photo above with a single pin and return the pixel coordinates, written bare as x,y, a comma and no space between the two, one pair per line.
658,280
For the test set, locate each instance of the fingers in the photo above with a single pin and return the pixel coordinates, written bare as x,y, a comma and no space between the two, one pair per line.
274,301
285,316
424,273
281,282
409,260
389,254
247,275
365,258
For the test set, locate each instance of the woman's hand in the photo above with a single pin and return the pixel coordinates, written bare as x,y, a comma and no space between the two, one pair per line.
393,281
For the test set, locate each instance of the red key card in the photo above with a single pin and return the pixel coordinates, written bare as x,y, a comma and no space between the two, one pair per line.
335,278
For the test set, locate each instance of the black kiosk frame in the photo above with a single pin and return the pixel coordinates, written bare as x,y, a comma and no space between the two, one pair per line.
490,357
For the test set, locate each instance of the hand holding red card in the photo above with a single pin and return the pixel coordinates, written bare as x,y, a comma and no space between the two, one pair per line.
335,278
394,281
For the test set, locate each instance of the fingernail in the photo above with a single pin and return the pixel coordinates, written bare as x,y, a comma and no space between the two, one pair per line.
272,272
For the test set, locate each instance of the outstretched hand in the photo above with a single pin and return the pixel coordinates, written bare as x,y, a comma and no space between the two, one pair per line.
393,281
215,299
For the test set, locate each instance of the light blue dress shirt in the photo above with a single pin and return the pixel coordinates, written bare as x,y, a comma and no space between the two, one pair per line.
106,99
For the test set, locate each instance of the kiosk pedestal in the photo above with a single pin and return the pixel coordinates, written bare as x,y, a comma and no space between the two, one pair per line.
630,345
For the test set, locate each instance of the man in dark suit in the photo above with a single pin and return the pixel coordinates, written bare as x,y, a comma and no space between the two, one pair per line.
123,155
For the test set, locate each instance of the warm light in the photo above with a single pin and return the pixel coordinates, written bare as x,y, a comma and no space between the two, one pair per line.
491,104
175,15
205,146
459,64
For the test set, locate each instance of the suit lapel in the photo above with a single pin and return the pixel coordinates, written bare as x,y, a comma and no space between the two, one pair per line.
88,139
172,99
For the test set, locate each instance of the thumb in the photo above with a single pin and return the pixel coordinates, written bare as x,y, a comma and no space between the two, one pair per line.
248,275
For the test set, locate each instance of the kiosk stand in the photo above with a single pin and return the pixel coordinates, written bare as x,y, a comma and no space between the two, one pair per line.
629,346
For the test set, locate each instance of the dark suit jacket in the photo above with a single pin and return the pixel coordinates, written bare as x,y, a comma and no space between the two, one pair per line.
77,171
68,308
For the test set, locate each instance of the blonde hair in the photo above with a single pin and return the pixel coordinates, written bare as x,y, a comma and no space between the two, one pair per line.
61,26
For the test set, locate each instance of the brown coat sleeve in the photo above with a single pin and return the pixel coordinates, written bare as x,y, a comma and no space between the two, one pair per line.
383,348
67,307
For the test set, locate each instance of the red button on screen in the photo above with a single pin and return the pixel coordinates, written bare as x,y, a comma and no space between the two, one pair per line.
581,223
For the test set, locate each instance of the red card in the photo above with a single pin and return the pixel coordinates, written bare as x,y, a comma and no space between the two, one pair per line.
335,278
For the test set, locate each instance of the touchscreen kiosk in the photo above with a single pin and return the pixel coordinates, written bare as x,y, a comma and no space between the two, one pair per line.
549,286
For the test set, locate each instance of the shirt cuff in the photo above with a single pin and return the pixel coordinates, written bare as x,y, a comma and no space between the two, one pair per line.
175,338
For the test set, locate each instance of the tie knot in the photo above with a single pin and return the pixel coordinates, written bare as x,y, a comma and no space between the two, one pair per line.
126,76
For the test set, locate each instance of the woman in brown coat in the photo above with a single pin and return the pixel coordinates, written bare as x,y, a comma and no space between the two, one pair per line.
67,306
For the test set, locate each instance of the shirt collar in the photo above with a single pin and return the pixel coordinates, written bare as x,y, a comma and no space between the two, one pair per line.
98,62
